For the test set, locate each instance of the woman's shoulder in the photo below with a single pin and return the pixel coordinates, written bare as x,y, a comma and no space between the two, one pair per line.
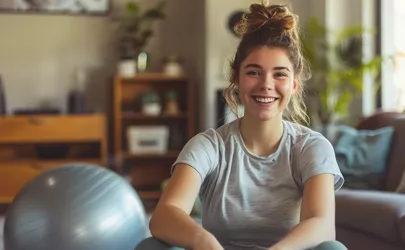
220,134
303,137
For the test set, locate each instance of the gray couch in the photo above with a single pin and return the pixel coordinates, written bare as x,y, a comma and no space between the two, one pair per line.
375,219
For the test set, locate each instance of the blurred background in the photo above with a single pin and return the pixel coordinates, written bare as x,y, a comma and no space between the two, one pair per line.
125,83
40,53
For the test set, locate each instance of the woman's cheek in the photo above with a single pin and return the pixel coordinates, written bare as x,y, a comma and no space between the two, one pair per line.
285,85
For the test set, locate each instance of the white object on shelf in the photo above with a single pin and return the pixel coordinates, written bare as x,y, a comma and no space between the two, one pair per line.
127,68
151,109
148,139
173,69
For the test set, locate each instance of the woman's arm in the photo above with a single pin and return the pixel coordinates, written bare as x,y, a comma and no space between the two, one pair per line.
171,222
317,222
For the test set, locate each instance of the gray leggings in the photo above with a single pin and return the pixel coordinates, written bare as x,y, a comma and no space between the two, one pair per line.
153,244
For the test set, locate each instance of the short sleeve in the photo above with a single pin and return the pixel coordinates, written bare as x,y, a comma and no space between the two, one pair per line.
201,153
317,156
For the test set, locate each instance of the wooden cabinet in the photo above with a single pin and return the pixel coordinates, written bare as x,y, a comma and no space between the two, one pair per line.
148,170
30,145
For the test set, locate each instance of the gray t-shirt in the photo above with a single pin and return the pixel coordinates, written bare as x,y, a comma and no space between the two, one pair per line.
250,202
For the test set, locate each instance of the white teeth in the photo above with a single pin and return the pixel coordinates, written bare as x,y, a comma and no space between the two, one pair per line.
265,100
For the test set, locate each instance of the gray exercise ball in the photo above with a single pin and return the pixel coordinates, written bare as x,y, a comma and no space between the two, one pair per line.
76,207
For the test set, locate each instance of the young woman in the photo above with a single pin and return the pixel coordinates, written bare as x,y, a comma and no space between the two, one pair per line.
265,182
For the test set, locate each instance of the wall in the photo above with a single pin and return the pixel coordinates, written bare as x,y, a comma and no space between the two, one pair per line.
39,53
220,45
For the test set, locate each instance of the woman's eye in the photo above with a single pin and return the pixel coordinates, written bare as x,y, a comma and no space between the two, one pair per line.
253,73
279,75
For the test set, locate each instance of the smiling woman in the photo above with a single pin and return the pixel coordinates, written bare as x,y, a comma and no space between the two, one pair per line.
279,35
265,181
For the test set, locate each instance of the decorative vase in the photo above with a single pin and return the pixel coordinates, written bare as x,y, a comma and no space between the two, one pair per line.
142,61
3,109
77,96
172,66
172,106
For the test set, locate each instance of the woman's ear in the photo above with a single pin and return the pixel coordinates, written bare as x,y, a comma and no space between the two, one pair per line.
296,83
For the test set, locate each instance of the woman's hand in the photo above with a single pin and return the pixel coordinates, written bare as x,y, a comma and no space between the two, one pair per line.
206,241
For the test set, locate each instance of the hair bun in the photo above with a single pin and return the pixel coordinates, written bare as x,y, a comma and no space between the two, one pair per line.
275,17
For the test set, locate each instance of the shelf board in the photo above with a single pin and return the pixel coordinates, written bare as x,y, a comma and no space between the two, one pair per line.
138,115
169,154
6,200
149,194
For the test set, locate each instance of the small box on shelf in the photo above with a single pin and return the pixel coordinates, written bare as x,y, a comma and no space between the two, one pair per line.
148,139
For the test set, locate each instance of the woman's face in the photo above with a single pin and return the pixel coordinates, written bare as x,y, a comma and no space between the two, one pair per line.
266,82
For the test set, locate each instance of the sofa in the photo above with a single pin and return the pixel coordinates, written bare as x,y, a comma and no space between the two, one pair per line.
375,218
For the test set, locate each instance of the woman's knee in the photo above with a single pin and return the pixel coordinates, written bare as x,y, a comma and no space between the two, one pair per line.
330,245
154,244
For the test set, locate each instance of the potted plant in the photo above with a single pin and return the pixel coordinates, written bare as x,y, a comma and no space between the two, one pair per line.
151,103
172,106
337,69
137,29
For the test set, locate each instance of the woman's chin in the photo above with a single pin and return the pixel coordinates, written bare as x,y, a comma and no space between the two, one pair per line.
265,116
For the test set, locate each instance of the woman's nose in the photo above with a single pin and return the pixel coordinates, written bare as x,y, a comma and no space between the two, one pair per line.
268,82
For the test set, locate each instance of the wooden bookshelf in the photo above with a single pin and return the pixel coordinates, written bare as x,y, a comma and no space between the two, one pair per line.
148,170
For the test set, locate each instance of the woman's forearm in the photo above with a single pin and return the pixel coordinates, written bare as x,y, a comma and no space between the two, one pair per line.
175,227
307,234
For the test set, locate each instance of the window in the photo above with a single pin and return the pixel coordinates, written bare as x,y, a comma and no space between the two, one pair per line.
393,44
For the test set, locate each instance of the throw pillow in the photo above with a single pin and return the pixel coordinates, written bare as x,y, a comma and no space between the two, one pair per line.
362,155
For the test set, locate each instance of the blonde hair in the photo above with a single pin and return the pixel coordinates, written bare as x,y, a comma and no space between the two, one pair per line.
272,26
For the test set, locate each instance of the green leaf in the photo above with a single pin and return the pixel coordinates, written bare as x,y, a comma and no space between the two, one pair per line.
350,32
153,14
341,106
133,8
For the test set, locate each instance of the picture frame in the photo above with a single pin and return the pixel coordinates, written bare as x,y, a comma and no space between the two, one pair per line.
60,7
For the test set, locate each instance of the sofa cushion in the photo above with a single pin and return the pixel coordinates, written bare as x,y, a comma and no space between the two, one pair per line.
354,239
362,155
376,213
396,162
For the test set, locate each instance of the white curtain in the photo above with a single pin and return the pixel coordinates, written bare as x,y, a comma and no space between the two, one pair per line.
393,44
399,78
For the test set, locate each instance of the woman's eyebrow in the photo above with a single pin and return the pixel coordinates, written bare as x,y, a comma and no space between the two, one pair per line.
281,68
253,65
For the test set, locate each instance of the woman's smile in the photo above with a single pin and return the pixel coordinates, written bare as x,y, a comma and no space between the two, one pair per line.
264,101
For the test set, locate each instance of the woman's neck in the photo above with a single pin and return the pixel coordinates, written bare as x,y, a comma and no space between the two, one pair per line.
261,138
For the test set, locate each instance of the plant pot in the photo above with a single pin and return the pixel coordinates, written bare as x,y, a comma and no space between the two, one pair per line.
127,68
151,108
172,108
